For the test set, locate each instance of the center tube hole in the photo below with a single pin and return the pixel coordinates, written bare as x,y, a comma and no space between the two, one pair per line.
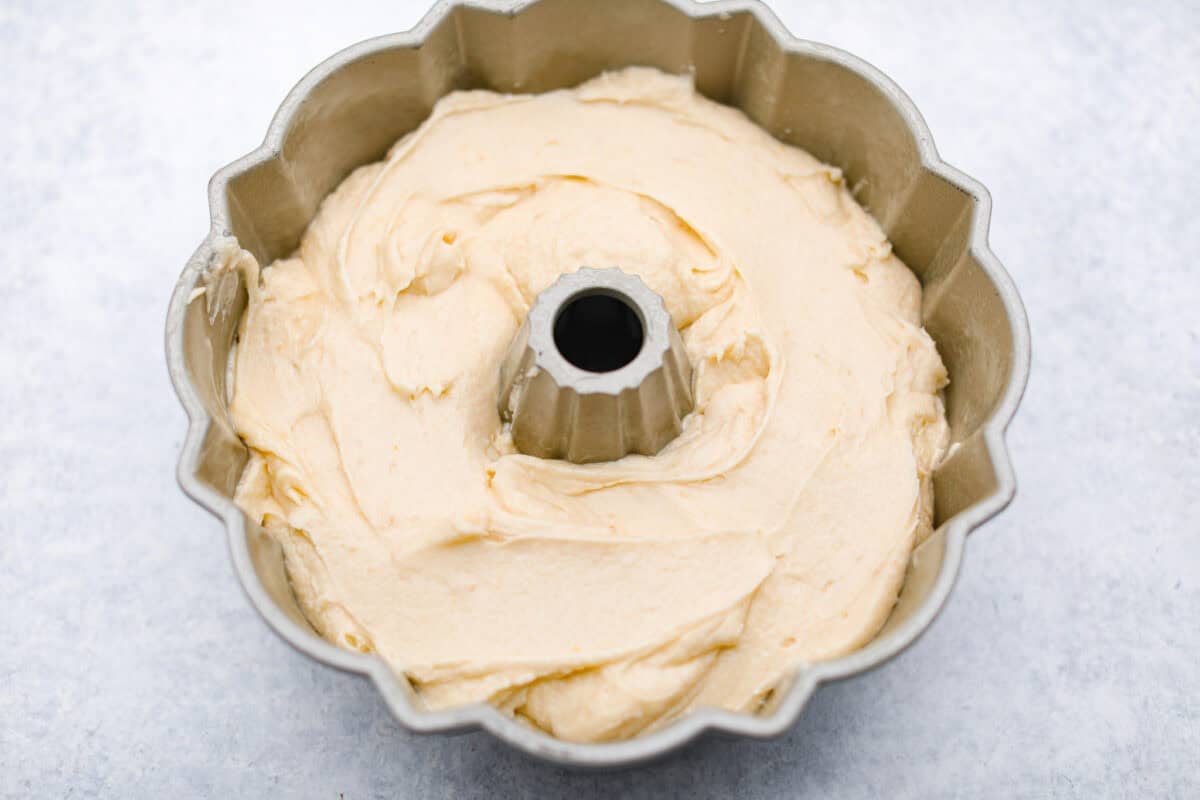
598,332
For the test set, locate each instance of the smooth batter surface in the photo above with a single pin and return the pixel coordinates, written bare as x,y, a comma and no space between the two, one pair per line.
602,600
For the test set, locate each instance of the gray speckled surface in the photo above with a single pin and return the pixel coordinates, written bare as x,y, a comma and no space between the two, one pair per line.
1066,662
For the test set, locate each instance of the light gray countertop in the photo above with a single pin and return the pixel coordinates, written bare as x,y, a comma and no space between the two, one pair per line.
1066,663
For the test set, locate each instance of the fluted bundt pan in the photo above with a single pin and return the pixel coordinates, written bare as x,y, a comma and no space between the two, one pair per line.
348,110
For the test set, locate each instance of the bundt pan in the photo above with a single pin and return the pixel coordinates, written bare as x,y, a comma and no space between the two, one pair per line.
348,110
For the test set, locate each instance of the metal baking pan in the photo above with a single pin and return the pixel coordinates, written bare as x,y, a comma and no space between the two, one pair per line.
348,110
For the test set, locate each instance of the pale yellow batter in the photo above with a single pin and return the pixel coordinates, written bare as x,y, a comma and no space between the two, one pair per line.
595,601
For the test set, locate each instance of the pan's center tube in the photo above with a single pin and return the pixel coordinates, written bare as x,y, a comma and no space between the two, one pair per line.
599,331
597,371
